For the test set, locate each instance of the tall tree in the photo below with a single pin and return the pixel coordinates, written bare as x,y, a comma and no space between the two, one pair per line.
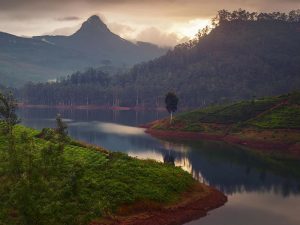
62,128
171,101
8,116
8,106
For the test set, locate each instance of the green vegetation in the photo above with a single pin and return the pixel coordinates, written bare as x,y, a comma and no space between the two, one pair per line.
268,113
51,180
266,123
8,106
283,117
233,113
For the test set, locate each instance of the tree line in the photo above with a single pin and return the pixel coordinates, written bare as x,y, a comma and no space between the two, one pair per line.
243,15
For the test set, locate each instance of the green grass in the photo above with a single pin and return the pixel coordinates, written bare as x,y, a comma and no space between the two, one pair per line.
283,117
228,114
265,113
79,184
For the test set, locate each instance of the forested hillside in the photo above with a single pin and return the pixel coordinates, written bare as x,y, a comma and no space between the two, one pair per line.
244,55
89,87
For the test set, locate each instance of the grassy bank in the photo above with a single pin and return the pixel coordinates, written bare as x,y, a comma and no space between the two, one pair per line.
270,123
55,182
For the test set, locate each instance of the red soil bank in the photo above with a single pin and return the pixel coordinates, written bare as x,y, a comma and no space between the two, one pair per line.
192,207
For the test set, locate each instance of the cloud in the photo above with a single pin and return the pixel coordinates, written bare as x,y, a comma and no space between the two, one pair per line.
121,28
68,18
63,31
128,18
156,36
147,34
169,7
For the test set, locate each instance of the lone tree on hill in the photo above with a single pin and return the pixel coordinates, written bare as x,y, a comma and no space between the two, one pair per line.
171,101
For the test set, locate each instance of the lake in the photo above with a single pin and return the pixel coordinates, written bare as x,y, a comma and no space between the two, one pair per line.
260,190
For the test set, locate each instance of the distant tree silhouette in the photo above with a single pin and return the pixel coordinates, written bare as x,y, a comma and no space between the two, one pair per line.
171,101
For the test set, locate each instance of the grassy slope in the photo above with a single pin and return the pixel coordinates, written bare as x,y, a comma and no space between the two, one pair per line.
271,117
104,182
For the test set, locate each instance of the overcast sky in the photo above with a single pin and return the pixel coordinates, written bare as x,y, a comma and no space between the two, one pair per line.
164,22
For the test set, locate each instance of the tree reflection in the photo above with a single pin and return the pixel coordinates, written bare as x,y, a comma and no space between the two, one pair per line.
169,158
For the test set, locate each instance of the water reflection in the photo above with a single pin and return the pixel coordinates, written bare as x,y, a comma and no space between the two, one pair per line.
255,208
169,158
253,181
107,128
230,169
121,117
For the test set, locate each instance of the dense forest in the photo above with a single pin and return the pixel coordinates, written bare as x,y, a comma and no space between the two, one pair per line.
89,87
243,55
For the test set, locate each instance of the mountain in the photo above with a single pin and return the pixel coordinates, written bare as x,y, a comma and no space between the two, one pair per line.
26,59
247,55
96,40
42,58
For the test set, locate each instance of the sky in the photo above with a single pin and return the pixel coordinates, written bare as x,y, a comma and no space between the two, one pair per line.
163,22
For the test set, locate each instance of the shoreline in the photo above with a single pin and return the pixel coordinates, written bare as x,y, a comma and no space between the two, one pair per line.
189,204
291,149
192,206
88,107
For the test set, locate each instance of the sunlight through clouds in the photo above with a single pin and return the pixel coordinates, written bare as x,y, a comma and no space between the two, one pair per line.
165,23
191,28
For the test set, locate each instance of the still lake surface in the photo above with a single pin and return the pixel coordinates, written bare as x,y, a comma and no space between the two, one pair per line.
259,191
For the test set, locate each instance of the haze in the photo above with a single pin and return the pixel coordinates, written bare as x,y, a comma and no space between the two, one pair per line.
165,23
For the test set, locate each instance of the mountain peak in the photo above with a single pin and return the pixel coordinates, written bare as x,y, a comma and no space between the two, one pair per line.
94,19
93,25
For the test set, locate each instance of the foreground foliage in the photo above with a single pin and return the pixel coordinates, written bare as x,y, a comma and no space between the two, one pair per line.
64,182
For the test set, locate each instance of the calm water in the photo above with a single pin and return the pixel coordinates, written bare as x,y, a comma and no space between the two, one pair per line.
259,191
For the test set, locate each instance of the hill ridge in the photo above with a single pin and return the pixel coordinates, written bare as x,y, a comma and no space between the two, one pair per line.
49,57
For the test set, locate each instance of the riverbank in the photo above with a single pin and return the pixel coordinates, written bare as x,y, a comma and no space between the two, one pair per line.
89,107
256,141
192,205
87,183
269,124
